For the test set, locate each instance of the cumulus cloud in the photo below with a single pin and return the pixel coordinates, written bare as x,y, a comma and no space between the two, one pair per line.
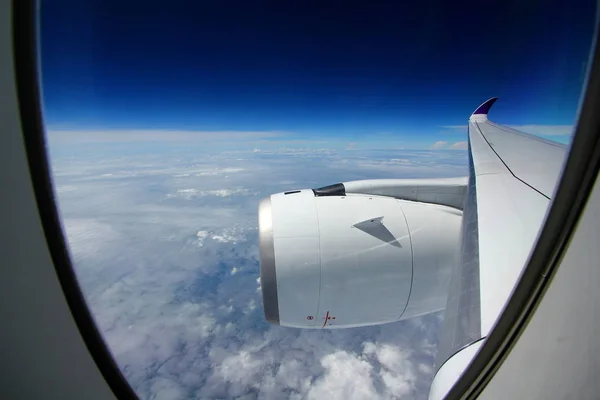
439,145
195,193
460,146
167,258
233,235
442,145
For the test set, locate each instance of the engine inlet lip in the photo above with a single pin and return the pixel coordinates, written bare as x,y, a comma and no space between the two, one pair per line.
268,273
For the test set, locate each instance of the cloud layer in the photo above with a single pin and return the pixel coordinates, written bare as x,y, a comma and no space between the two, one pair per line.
165,248
442,145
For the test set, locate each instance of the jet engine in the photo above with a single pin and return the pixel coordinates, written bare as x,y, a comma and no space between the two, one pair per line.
331,259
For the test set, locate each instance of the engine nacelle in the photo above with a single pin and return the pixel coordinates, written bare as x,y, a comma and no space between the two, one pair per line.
337,260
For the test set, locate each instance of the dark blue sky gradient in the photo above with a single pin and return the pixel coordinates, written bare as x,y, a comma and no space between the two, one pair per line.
343,68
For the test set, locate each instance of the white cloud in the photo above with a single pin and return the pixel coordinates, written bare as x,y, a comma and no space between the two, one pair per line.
230,235
200,236
439,145
347,376
397,369
174,284
195,193
456,127
87,237
460,146
219,171
442,145
65,188
298,151
401,163
228,192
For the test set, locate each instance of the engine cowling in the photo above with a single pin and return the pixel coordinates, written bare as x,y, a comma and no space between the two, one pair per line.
336,260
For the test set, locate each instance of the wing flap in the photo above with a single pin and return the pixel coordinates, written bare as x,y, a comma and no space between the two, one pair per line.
509,217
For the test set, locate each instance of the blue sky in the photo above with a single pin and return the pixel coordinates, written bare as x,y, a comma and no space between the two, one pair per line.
401,72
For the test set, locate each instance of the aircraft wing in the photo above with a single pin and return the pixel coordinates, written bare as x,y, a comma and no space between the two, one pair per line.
512,178
382,250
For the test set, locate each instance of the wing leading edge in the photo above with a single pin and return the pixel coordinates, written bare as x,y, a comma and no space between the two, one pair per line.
512,177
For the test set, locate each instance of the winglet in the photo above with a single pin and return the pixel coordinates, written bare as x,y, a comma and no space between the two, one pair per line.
480,114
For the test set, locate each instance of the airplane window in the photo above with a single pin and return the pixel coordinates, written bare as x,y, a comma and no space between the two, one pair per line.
170,125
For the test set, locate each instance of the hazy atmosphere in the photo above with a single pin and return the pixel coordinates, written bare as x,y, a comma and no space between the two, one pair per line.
165,247
168,122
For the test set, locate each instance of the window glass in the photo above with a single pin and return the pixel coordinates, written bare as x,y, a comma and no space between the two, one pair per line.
167,122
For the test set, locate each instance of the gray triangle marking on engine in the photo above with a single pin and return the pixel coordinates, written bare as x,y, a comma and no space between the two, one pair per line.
375,228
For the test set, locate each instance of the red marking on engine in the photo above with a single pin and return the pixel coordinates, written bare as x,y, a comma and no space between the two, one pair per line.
326,319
